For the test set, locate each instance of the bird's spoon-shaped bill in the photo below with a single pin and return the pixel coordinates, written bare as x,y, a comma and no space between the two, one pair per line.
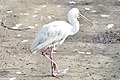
86,19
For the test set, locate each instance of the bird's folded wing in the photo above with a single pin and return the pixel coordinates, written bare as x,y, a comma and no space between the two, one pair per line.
49,34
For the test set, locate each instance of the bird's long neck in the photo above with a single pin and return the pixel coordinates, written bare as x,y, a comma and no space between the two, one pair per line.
75,25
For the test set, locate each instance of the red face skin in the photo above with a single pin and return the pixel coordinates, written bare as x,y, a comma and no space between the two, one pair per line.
78,15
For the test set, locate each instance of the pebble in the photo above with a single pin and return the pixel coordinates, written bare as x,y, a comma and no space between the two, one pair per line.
24,14
34,16
93,11
21,13
14,56
15,27
88,52
41,19
13,78
72,2
18,72
49,17
87,9
24,41
84,52
36,24
18,25
59,6
43,6
81,52
110,26
9,11
31,27
18,35
104,15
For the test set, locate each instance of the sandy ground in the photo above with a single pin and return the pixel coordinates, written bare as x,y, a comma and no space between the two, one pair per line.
92,54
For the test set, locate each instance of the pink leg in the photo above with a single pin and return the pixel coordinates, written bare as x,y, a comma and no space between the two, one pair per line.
50,58
54,66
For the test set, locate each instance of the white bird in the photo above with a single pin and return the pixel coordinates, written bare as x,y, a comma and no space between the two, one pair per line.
54,34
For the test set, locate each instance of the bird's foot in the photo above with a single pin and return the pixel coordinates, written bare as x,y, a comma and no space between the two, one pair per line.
60,73
57,75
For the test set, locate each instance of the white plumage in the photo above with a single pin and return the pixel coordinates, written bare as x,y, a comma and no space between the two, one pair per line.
52,33
55,33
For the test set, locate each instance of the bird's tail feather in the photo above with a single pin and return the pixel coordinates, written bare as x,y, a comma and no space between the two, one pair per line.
35,43
41,46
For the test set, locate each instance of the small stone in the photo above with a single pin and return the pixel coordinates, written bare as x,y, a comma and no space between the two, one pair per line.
81,52
24,41
14,27
49,17
13,78
43,6
31,27
36,24
18,35
9,11
110,26
14,56
18,25
18,72
88,52
20,59
106,62
114,76
98,62
93,11
32,69
21,13
59,6
87,9
104,15
26,13
34,16
72,2
87,68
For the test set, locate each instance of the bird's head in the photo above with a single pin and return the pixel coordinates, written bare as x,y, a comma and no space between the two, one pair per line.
75,14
